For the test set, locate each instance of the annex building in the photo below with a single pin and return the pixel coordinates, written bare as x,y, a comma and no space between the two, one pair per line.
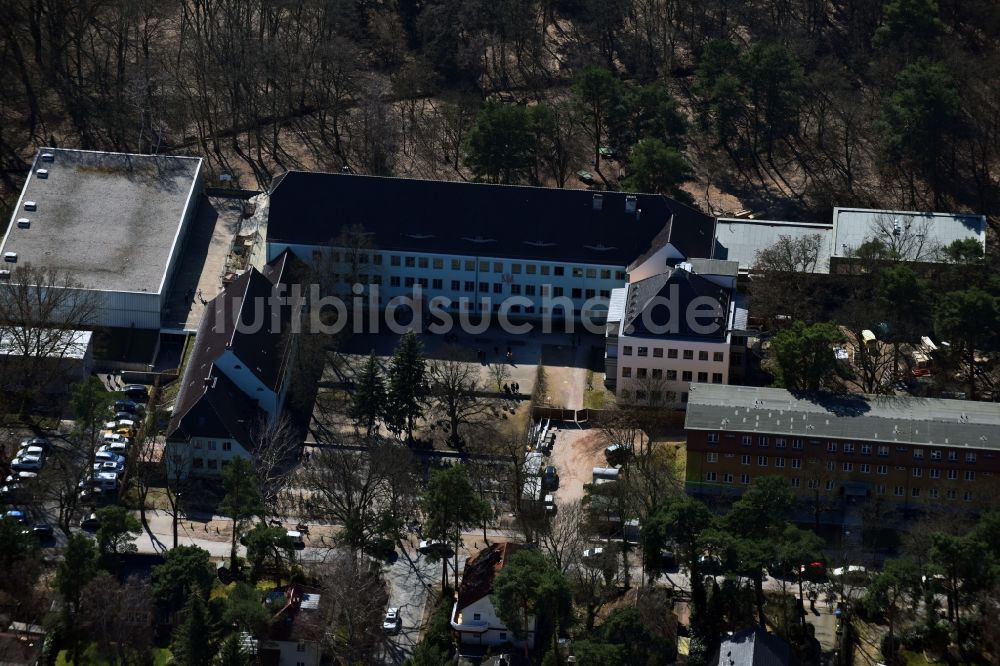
901,451
478,245
112,223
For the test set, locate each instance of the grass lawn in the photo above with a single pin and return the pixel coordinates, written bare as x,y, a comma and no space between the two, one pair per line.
918,659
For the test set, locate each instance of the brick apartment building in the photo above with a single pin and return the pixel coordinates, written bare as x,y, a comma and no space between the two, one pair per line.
906,452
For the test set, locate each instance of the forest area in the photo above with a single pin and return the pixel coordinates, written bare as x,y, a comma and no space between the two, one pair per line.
785,107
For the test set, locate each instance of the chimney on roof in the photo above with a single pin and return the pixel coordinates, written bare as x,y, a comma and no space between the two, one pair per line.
630,203
598,202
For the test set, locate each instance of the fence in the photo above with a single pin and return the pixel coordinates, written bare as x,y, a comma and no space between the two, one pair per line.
594,416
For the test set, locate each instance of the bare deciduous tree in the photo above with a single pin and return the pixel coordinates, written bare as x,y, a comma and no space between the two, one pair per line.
273,444
352,602
565,535
790,255
454,385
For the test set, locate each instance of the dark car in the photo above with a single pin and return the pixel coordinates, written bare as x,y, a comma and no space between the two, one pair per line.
550,478
129,406
136,392
42,531
40,442
91,522
616,454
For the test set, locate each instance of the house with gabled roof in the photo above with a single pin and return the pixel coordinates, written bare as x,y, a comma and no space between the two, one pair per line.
236,378
474,620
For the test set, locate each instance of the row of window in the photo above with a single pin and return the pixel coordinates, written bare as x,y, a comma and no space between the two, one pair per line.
848,447
213,446
688,354
813,484
864,468
654,397
211,463
470,287
469,265
671,375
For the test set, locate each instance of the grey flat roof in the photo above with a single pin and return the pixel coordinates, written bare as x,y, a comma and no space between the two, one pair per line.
889,419
715,267
740,240
854,226
112,220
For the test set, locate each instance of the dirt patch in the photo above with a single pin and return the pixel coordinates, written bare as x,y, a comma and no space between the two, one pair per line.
575,454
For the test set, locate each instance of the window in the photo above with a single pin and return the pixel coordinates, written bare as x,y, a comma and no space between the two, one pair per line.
672,375
883,451
934,493
934,473
970,457
213,464
936,454
301,647
865,468
866,449
779,462
918,454
779,443
589,293
576,293
484,287
830,466
967,496
898,491
831,447
377,259
796,463
744,460
795,482
437,283
713,438
476,616
626,372
212,445
952,456
970,475
197,444
658,352
657,373
438,264
642,351
498,287
702,376
915,492
883,469
917,472
797,444
557,291
671,353
529,290
710,476
688,354
529,269
762,442
716,377
848,447
712,457
470,286
745,479
408,282
950,494
829,485
880,490
702,355
410,261
627,350
227,446
640,373
848,467
686,375
718,357
747,440
394,260
394,281
761,461
812,484
456,285
544,268
952,474
197,463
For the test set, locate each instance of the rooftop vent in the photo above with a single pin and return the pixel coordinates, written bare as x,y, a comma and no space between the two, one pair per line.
479,239
48,157
30,205
10,257
630,203
42,173
598,202
23,223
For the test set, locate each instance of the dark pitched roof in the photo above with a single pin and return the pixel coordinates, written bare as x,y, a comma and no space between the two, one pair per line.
653,310
753,647
216,408
300,618
264,352
479,219
477,578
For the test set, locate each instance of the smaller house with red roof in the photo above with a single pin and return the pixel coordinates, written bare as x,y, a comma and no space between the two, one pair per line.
474,620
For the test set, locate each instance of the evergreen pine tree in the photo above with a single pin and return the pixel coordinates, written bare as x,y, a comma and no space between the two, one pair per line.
368,401
407,380
231,652
190,645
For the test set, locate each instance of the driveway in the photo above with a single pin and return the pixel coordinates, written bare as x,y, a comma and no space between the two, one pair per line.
575,454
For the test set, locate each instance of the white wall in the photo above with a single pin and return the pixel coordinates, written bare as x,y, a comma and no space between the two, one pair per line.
181,457
248,382
488,629
294,653
655,264
635,363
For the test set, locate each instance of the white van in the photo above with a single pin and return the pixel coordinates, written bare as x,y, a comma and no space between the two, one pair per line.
295,538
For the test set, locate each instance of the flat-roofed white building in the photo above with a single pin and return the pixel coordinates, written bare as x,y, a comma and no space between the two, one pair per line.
112,222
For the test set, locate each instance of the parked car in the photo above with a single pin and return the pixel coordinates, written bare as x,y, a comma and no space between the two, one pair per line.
124,416
40,442
433,546
104,455
116,439
593,553
9,491
550,478
129,406
108,466
616,454
32,451
21,477
90,522
117,448
392,622
42,531
26,463
17,515
296,539
136,392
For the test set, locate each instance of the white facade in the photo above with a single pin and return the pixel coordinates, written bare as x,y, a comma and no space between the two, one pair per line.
208,455
294,653
478,624
646,365
249,383
582,288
